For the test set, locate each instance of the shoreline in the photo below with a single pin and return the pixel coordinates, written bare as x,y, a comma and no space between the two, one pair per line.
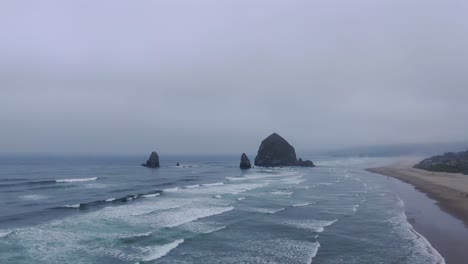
449,190
437,207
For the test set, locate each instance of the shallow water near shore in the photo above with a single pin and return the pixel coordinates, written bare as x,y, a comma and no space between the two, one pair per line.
445,232
102,210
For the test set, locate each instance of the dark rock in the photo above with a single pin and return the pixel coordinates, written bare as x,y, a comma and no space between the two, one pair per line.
275,151
178,165
304,163
449,162
245,162
153,161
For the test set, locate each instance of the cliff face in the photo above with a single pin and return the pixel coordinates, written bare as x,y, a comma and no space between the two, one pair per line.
449,162
153,161
275,151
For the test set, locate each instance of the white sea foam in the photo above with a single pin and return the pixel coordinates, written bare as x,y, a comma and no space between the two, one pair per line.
282,193
240,199
33,197
72,206
213,184
236,179
202,227
182,215
175,189
144,209
301,204
317,226
110,200
355,207
422,247
150,195
157,252
76,180
294,180
266,210
277,250
4,233
217,196
192,186
313,252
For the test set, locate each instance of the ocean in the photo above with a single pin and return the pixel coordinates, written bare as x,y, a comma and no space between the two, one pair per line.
112,210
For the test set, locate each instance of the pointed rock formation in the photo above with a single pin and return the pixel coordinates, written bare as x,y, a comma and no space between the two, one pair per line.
153,161
245,162
275,151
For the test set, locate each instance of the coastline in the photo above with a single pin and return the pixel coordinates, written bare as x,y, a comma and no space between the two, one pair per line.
438,209
450,190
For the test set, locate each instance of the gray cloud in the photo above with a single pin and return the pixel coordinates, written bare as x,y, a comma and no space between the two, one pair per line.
219,76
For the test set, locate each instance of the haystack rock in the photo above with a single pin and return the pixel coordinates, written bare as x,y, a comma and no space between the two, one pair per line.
153,161
275,151
245,162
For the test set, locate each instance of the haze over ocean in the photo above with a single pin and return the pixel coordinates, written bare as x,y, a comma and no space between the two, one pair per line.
88,89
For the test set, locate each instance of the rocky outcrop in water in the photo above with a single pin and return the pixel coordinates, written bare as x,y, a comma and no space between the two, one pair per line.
275,151
153,161
449,162
245,162
304,163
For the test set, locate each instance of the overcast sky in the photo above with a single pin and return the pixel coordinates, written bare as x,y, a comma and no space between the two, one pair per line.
218,76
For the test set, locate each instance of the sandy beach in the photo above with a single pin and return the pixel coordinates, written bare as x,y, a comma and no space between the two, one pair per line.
449,191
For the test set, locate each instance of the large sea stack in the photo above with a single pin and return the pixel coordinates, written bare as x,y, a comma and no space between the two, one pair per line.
275,151
245,162
153,161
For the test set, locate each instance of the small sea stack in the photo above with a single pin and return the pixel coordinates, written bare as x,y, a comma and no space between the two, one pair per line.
153,161
275,151
245,162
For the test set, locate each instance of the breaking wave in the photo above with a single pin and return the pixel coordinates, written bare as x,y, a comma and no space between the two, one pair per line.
76,180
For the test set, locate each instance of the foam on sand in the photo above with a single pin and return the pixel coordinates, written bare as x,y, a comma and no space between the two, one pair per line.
158,252
76,180
422,248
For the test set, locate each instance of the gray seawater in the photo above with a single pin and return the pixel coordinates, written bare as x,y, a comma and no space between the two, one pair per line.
110,210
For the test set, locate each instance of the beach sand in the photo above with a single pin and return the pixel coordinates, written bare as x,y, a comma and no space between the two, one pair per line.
446,229
450,190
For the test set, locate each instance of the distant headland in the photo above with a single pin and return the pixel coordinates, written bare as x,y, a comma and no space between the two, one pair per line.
448,162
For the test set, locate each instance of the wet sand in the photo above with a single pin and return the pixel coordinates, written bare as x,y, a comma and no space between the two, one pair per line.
446,229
